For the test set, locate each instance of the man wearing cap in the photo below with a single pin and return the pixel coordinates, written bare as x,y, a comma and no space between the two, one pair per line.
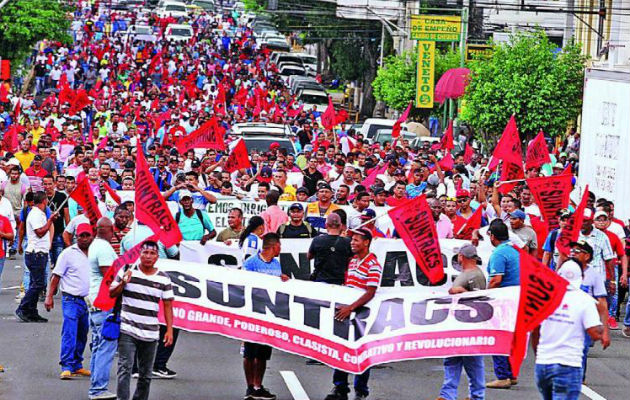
470,279
559,341
364,273
525,232
551,254
296,228
504,271
463,203
318,210
581,254
603,260
73,273
193,223
368,221
36,170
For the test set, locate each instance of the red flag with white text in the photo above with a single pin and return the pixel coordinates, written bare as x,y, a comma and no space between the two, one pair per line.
551,194
537,153
207,136
510,172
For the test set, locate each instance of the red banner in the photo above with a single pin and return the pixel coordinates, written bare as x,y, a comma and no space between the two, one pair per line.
329,117
414,223
80,101
151,208
474,222
537,153
84,196
446,141
509,147
238,158
542,290
510,172
205,137
551,194
468,154
103,301
571,230
10,141
371,178
396,128
447,163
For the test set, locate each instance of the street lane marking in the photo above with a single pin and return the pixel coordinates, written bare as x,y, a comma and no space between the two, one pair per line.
11,288
590,393
294,385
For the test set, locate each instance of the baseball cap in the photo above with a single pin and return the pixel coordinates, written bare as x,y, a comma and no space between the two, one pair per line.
379,190
302,190
582,245
324,186
308,147
274,145
600,213
265,174
296,206
399,172
368,213
84,228
468,251
37,157
462,193
184,193
518,214
572,272
588,214
563,213
195,164
558,166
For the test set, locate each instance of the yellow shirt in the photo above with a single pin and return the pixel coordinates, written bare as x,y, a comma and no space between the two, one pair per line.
37,133
289,193
25,159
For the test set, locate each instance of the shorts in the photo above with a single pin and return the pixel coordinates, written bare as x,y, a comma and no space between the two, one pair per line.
255,350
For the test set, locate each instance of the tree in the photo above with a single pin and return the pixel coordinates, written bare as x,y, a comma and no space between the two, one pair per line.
24,23
529,78
395,82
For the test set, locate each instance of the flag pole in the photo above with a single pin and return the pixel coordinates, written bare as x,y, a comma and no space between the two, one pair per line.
369,221
512,181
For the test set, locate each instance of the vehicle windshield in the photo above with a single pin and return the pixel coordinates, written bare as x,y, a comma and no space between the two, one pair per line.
143,30
181,32
309,59
313,99
374,127
291,71
262,145
206,5
382,137
175,7
296,60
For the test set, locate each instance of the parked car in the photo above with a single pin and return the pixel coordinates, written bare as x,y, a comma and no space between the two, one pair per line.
311,98
173,9
178,32
372,125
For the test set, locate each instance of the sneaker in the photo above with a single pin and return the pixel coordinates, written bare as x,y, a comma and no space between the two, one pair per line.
65,375
612,324
359,396
164,373
82,372
263,394
499,384
249,393
514,381
103,396
21,316
135,375
338,393
38,318
626,331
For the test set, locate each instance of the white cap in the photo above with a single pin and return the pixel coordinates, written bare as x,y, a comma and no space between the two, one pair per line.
184,193
572,272
600,213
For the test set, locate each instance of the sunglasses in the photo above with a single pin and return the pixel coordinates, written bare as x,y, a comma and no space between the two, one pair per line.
462,200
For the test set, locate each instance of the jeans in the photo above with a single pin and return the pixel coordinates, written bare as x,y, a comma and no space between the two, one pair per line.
103,352
558,382
74,331
626,318
340,380
452,372
502,367
36,264
26,277
129,348
57,246
612,294
587,346
1,268
39,84
164,353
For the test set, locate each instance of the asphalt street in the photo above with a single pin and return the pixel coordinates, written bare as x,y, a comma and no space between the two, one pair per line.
210,367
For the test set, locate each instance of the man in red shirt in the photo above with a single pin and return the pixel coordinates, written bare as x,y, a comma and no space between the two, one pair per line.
36,169
364,272
602,222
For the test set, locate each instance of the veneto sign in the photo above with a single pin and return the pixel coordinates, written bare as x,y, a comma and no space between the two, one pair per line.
436,28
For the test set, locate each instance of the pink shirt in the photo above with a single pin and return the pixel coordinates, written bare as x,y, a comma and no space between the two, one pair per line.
274,217
444,227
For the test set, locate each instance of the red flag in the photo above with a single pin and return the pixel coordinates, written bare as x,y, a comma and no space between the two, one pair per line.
551,193
542,290
474,222
18,109
328,117
220,94
571,230
84,196
10,141
414,223
238,158
447,163
542,231
112,193
207,136
4,93
342,116
396,128
240,97
80,101
509,147
446,142
510,172
371,178
293,113
63,81
537,153
161,118
102,300
151,208
468,154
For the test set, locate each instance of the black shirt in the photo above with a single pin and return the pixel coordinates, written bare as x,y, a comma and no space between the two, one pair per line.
331,254
310,180
53,204
288,231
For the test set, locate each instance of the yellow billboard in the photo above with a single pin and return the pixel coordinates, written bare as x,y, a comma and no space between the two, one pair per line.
437,28
426,75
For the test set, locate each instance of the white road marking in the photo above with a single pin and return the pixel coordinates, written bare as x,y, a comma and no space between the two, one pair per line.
294,385
11,288
591,394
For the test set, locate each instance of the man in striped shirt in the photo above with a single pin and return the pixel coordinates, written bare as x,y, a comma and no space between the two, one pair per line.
364,272
142,287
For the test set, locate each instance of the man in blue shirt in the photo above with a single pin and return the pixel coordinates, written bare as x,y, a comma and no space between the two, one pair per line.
256,355
503,270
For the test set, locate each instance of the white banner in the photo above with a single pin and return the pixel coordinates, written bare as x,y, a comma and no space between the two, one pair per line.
298,317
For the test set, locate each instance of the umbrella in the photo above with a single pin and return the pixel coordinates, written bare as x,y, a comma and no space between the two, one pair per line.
452,84
418,129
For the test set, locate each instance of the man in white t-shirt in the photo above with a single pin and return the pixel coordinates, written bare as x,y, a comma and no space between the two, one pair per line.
560,340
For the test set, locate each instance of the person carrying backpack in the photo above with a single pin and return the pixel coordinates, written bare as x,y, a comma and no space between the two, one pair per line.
296,227
193,223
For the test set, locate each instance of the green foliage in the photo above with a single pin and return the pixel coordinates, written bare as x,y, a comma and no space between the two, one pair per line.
23,23
524,77
347,60
395,83
254,5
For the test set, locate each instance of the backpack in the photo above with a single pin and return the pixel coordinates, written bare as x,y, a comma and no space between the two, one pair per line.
199,215
283,227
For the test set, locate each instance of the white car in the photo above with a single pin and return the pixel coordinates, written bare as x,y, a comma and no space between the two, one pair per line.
173,9
310,98
179,32
372,125
142,33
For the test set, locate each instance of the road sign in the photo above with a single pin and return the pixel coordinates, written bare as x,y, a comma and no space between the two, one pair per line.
478,51
426,75
436,28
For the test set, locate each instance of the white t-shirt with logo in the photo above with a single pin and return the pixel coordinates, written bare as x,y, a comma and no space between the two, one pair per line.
562,333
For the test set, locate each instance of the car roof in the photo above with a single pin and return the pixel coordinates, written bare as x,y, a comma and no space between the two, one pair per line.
314,92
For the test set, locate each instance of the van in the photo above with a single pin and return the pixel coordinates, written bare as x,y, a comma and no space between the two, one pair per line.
372,125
